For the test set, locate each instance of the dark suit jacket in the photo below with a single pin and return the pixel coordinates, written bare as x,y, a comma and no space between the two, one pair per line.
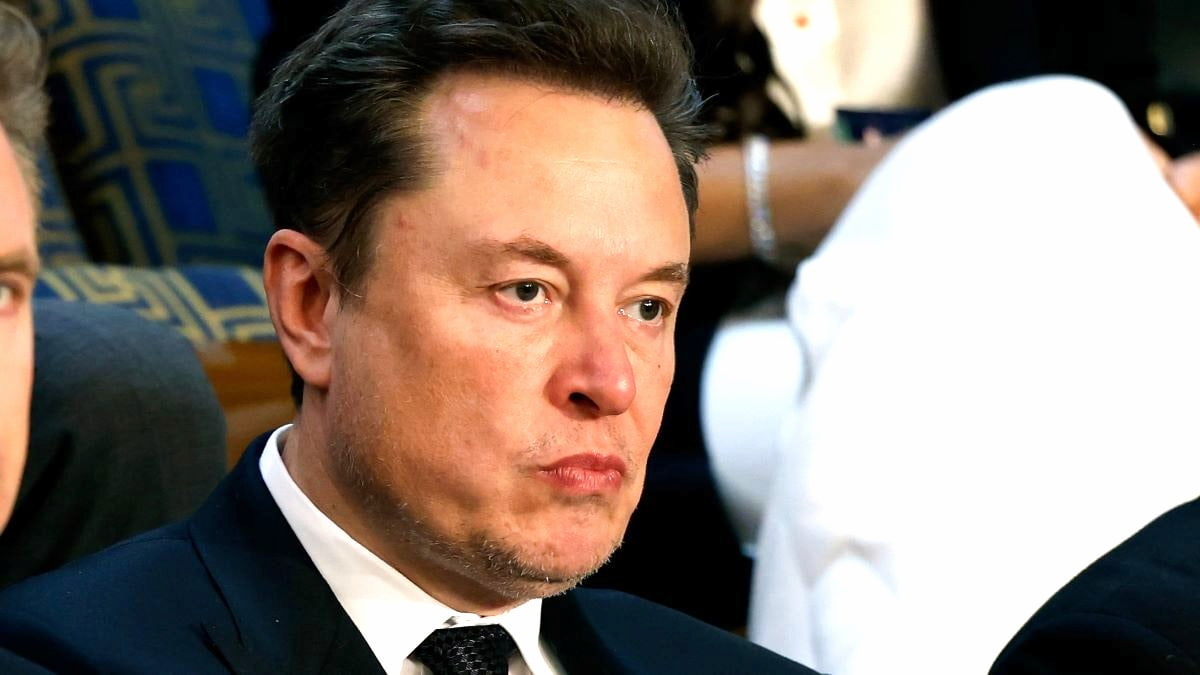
232,590
1135,610
92,477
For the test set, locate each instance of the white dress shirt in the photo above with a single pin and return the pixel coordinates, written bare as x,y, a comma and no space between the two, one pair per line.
392,613
1001,383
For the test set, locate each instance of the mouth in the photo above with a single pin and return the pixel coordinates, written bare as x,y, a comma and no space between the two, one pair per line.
585,474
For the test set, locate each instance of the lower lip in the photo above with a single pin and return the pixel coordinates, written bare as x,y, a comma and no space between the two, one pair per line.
578,480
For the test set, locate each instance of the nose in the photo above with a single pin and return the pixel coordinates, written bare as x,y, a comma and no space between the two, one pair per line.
594,377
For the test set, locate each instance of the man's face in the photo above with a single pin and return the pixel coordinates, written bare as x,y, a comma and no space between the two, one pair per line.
497,388
18,262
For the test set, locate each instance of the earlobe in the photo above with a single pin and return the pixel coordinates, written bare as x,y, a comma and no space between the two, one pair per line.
300,295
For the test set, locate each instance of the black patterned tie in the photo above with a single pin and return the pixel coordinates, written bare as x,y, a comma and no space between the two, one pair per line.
474,650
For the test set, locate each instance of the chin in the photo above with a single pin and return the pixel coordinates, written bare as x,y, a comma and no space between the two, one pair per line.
538,571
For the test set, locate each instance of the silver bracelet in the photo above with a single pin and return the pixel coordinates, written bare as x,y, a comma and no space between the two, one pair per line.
756,154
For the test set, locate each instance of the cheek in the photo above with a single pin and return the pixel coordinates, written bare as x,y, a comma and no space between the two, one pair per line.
655,373
16,380
16,368
491,368
460,392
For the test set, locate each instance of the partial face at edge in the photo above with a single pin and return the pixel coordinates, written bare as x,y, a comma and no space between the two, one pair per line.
18,263
498,387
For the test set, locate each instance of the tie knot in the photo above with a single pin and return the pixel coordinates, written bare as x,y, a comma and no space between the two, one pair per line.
473,650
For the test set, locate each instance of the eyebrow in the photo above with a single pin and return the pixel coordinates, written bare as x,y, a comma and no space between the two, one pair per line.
22,262
528,247
543,253
673,273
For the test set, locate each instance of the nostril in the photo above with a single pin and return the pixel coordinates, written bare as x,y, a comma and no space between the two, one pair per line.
581,399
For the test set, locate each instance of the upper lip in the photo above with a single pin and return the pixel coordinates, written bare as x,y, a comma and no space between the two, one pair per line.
589,461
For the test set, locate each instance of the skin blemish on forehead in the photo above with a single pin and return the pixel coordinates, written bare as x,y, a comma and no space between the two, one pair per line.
453,118
483,158
468,101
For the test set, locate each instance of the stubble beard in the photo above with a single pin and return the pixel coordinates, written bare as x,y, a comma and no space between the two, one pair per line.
498,566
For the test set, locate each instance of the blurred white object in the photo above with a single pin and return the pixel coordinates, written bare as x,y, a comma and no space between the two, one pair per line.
1002,342
751,380
834,54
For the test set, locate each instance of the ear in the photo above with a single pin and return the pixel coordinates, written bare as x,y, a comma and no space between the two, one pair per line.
302,298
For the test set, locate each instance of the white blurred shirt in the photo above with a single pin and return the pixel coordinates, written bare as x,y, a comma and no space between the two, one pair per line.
1000,382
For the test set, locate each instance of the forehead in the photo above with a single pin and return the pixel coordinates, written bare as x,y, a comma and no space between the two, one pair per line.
526,154
466,109
16,208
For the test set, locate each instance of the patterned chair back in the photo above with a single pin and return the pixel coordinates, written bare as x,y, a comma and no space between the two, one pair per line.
150,109
58,238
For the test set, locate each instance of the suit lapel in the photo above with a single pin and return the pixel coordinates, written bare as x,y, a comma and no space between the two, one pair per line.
285,617
575,641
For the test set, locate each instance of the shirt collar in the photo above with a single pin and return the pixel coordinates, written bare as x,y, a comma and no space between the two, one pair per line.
393,614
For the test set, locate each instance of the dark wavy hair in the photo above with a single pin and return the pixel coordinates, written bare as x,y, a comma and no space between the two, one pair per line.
733,68
334,133
23,103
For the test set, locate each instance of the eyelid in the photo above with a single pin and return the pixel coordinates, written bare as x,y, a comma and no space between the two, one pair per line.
666,309
546,291
15,291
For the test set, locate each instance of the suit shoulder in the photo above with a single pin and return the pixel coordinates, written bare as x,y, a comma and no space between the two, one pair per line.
135,565
1133,610
660,639
1092,643
130,594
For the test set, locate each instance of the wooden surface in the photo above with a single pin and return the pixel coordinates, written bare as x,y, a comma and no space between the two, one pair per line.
252,381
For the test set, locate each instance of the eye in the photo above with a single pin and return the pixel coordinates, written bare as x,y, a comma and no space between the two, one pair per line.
526,293
647,310
8,297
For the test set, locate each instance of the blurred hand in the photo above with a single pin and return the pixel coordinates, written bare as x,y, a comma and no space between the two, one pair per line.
1184,176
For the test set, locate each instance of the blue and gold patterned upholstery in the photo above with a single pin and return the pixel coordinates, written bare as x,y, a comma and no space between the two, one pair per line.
204,302
150,107
58,239
162,213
